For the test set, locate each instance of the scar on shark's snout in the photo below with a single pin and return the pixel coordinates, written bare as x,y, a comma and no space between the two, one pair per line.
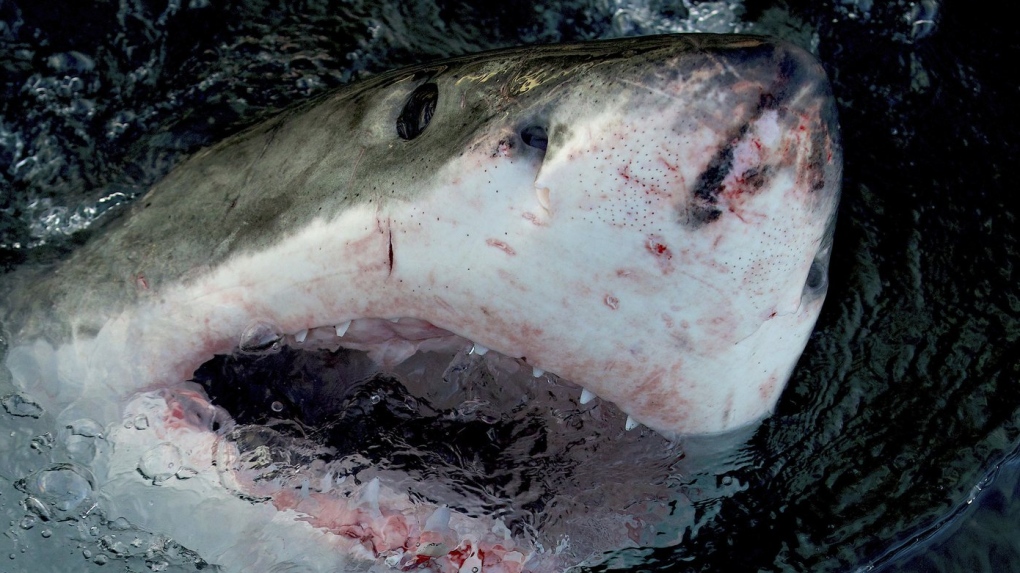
501,246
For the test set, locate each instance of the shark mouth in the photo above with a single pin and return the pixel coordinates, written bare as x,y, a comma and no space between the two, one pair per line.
413,447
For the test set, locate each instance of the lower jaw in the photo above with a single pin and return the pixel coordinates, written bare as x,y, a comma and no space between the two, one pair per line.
380,524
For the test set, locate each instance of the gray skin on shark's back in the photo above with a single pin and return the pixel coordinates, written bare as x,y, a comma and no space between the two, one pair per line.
675,195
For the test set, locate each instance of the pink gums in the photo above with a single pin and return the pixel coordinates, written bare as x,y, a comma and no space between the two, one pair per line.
381,525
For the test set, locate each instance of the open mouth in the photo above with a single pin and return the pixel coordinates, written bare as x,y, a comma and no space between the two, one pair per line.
417,448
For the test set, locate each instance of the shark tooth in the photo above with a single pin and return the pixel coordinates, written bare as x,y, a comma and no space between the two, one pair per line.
341,329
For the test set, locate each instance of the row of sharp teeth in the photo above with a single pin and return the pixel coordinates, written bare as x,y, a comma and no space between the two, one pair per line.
341,329
586,395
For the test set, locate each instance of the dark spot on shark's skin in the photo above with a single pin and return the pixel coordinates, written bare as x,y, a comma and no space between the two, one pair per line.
754,179
88,329
817,161
504,147
705,195
708,184
787,74
559,135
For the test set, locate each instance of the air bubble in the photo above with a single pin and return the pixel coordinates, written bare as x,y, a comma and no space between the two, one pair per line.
160,463
80,439
119,524
260,338
56,492
17,405
42,442
86,428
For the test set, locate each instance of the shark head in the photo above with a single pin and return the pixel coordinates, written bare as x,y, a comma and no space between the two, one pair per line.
650,219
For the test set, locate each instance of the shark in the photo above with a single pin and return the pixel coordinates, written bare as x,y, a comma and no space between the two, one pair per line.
648,220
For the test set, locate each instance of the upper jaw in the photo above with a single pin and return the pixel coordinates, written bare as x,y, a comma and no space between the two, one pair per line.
565,263
296,293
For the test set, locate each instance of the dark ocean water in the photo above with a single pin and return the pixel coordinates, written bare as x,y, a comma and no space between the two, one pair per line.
887,448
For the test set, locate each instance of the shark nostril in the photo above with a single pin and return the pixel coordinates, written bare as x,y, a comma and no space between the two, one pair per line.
535,136
418,111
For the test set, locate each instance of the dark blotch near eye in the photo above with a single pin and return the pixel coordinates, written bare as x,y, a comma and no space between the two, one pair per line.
535,136
755,178
704,208
417,112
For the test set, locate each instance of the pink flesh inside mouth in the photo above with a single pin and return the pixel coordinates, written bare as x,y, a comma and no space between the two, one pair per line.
360,503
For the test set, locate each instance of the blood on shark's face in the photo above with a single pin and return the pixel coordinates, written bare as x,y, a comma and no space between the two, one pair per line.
649,219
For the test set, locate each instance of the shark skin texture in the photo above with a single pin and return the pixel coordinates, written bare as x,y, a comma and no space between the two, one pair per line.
648,218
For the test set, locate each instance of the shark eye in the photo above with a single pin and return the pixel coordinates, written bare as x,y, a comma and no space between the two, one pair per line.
816,278
535,136
417,112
